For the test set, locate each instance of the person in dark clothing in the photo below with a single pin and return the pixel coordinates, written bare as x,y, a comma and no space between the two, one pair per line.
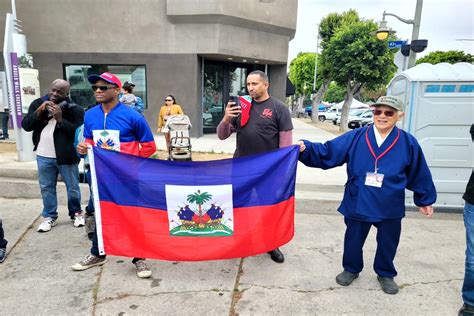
468,285
3,244
54,119
262,125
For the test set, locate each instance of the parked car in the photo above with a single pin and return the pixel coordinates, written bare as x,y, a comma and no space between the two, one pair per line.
363,120
354,114
330,114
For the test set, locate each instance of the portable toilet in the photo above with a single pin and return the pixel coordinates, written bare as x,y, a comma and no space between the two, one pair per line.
439,111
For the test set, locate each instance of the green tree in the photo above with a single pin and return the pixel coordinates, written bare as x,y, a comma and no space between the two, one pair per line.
452,57
302,72
355,58
335,93
199,198
328,27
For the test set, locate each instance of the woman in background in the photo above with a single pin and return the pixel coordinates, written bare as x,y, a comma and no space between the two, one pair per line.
169,108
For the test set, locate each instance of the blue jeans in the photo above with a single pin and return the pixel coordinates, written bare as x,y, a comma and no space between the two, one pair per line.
468,286
48,170
3,241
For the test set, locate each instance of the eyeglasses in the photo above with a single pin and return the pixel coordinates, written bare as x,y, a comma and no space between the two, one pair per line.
168,100
102,88
388,113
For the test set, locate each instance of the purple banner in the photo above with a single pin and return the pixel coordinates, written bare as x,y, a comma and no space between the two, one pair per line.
17,110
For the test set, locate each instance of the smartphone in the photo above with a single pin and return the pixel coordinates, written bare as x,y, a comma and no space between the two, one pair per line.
234,99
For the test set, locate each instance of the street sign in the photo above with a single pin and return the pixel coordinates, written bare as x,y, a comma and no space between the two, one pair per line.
396,44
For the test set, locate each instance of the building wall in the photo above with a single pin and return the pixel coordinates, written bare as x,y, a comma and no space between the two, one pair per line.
170,37
166,74
246,28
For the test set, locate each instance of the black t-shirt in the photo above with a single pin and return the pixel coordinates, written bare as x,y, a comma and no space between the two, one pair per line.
261,133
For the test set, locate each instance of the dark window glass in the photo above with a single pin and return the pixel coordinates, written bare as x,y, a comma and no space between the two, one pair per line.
81,92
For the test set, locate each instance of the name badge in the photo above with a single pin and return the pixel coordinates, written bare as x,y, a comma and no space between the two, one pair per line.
374,179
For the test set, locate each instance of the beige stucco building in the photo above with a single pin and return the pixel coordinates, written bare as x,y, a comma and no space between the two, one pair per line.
197,50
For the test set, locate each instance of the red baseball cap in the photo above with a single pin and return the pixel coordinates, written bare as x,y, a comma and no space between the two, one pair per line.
106,76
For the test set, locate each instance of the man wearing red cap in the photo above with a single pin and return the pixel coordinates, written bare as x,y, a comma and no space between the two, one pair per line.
262,125
115,126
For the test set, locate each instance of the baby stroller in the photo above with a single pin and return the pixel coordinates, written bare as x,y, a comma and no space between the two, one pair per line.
180,143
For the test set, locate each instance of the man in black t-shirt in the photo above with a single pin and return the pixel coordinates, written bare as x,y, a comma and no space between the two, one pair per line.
266,126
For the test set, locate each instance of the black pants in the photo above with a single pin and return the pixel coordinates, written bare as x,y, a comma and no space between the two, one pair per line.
3,241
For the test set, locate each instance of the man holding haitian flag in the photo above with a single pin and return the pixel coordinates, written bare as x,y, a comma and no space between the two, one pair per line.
262,124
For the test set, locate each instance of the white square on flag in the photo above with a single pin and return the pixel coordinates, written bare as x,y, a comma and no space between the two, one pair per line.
205,210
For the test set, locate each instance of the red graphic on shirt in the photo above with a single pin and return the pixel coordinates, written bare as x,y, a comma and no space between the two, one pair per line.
267,113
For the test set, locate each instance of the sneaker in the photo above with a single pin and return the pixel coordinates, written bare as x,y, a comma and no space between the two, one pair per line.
90,225
466,310
142,269
46,225
89,261
345,278
3,254
78,219
388,285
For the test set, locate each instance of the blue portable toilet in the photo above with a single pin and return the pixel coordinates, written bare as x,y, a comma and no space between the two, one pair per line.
439,111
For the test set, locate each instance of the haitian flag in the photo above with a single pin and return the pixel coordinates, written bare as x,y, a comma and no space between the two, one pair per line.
192,211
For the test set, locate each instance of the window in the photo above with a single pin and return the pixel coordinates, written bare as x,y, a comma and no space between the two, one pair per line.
81,92
432,88
448,88
466,88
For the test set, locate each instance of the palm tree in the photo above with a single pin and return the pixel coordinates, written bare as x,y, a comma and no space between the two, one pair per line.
199,198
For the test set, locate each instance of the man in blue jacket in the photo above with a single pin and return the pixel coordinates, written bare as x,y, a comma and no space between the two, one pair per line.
382,161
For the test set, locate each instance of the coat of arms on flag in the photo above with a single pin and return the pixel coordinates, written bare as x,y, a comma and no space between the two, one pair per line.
200,210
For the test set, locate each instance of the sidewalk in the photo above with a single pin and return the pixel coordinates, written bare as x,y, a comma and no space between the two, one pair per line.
37,278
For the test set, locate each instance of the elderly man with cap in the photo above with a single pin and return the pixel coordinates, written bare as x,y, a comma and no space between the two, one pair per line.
382,161
115,126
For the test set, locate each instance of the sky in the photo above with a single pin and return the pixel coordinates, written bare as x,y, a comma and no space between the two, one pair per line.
443,22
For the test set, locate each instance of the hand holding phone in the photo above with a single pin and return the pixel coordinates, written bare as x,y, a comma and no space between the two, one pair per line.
232,109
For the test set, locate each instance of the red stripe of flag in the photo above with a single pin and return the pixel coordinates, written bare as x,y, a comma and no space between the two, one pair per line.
144,233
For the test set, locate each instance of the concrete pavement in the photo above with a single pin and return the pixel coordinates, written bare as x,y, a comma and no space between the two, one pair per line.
36,278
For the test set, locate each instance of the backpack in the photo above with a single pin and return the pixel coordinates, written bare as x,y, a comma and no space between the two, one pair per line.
139,105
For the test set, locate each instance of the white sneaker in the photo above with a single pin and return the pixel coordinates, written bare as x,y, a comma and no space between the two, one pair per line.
46,225
79,219
143,271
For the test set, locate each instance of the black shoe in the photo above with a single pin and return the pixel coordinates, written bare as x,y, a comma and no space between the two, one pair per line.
388,285
3,254
345,278
277,255
466,310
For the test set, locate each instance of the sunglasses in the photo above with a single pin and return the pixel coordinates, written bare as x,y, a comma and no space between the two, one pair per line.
102,88
166,100
386,113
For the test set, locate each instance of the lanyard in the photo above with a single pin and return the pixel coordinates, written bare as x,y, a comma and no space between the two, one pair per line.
386,150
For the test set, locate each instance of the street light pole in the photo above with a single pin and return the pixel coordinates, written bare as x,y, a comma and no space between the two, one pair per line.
415,32
316,60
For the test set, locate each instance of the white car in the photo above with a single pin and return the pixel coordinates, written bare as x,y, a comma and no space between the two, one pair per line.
329,114
354,114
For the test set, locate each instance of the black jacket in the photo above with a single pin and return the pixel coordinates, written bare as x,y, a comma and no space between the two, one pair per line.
64,133
469,194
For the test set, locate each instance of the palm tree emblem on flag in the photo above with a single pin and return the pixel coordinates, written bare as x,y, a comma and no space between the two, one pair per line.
205,213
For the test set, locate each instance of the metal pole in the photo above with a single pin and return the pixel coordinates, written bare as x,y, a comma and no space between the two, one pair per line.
415,32
316,60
